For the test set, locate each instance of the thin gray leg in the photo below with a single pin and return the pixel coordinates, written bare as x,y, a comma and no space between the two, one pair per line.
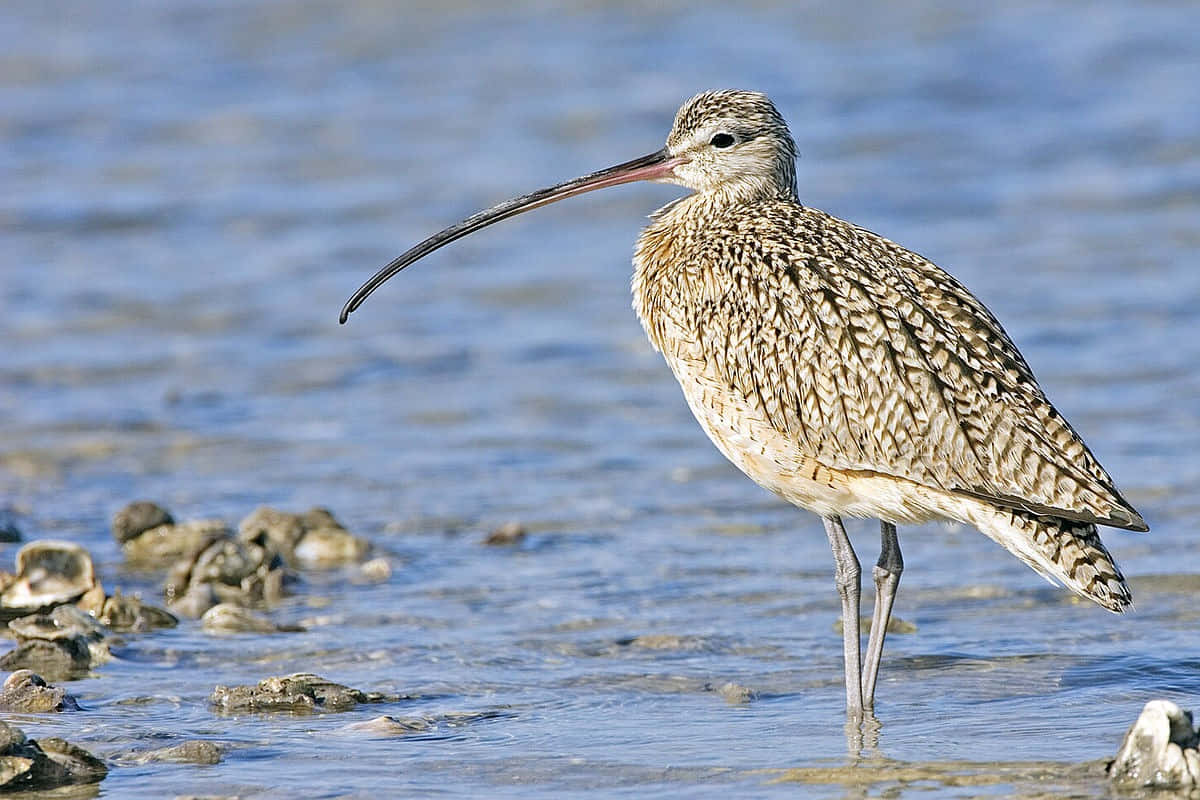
849,585
887,578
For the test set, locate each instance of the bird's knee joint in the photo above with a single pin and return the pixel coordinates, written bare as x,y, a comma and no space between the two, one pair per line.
847,576
882,574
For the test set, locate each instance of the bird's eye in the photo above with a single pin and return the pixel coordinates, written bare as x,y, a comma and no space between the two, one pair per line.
722,140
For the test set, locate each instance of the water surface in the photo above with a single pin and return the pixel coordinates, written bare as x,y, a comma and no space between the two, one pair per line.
192,190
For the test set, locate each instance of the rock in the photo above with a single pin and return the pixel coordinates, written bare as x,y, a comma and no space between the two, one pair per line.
506,535
165,543
664,641
193,751
61,659
137,518
228,618
10,737
26,692
63,622
129,614
736,694
330,547
195,601
246,573
12,770
1159,750
313,539
81,765
29,765
389,726
377,570
63,644
122,613
302,692
49,573
9,532
282,529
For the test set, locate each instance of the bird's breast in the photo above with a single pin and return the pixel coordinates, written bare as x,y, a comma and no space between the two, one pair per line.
684,268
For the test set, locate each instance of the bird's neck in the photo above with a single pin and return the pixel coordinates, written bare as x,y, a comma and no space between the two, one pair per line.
747,189
664,262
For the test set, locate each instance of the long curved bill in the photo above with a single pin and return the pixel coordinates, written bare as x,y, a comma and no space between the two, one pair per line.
655,166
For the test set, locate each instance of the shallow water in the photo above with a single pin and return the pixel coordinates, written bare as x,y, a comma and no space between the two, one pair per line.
192,191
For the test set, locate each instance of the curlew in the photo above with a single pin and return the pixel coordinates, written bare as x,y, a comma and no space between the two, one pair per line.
844,373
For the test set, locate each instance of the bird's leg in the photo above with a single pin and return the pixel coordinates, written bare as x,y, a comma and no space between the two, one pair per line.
847,576
887,578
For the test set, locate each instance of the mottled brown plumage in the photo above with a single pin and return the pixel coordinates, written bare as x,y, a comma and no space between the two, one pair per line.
818,345
841,371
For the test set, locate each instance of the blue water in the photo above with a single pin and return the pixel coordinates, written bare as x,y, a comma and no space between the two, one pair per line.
192,189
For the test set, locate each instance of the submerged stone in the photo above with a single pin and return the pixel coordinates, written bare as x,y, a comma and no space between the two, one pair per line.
508,534
193,751
230,618
389,726
302,692
1159,750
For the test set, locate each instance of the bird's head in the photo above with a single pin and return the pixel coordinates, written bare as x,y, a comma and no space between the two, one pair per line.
733,142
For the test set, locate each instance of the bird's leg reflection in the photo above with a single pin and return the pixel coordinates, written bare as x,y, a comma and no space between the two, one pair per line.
862,735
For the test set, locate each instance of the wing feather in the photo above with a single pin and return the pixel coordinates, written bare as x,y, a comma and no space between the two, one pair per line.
872,358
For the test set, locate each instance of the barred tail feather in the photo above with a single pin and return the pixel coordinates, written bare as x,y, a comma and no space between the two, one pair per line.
1061,551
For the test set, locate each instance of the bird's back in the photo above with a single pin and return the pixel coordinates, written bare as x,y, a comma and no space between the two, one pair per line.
863,356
